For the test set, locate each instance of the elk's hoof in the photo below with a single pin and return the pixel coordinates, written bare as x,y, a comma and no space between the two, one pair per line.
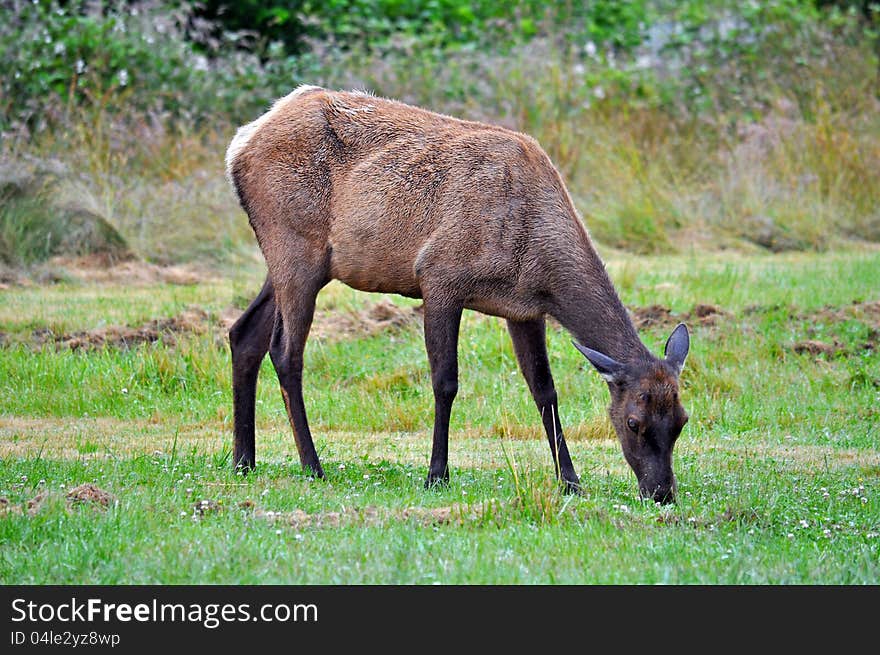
317,473
437,481
570,488
244,465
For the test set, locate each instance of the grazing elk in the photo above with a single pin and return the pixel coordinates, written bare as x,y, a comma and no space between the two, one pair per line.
392,198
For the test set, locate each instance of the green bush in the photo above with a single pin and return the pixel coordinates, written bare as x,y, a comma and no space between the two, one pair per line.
388,24
125,59
30,231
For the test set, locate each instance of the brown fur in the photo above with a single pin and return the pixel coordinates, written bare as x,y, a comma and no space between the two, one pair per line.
403,200
392,198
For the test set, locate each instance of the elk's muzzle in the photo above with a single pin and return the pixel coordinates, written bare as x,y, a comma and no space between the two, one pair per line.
660,491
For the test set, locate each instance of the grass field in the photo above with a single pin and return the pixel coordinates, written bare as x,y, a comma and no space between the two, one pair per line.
778,469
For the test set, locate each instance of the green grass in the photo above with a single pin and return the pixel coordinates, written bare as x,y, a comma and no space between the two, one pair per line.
778,469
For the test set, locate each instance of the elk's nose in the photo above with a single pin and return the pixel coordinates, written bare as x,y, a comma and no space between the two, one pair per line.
663,493
664,497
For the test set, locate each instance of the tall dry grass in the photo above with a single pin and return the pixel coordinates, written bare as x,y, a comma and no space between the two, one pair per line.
649,173
160,184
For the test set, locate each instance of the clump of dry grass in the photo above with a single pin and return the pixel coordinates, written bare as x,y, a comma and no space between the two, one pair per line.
790,183
160,185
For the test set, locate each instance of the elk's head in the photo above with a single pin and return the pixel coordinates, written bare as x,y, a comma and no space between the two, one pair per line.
646,411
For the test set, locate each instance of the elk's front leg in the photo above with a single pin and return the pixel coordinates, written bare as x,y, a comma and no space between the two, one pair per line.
441,341
286,350
530,345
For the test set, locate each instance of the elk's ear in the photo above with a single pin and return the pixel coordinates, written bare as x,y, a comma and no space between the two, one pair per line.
608,368
677,346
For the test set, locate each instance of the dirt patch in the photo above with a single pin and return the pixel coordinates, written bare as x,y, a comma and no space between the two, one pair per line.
659,316
704,314
816,348
651,316
205,507
83,495
8,509
193,320
383,316
457,514
229,316
707,314
857,309
104,268
31,507
866,312
36,503
371,320
89,494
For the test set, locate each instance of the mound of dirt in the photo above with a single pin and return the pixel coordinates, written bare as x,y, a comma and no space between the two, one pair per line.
659,316
35,503
865,311
31,507
371,320
84,494
815,348
113,269
205,507
7,508
193,320
336,326
89,494
705,314
651,316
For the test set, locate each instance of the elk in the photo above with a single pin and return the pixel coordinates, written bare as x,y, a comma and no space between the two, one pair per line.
391,198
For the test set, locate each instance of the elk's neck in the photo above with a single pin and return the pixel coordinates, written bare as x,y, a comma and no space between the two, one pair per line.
587,305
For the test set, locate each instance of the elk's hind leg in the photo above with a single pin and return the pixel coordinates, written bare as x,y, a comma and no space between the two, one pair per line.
295,296
249,341
530,346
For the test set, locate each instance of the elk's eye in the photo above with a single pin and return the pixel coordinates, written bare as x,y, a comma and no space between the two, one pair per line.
632,424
